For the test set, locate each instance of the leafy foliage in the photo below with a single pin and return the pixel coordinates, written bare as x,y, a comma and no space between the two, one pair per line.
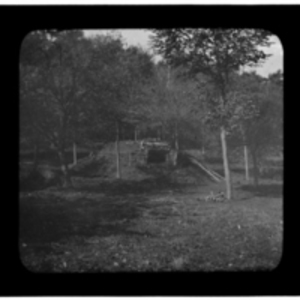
169,102
257,110
75,89
214,52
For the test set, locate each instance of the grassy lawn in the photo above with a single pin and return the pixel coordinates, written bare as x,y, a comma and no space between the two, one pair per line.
155,219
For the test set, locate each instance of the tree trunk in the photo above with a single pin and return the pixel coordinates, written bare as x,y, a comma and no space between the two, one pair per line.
226,164
255,168
74,154
118,174
66,180
135,134
168,76
203,150
246,162
162,133
176,145
202,138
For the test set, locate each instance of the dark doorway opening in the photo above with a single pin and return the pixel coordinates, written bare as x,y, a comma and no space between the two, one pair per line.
156,156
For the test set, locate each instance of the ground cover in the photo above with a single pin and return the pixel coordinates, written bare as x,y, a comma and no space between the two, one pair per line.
154,219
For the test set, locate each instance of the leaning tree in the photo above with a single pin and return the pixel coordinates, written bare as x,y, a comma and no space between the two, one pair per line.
216,53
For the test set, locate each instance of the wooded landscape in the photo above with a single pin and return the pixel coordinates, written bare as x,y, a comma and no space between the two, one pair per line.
132,164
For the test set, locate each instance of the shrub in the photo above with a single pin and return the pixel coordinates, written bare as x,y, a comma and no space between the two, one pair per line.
38,178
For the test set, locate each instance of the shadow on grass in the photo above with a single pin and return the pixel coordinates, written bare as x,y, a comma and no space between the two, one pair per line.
264,190
112,209
44,223
146,186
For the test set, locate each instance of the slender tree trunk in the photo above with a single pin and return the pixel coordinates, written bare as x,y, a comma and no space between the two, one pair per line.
226,164
202,138
136,133
66,180
168,76
74,154
176,144
203,150
176,138
162,136
246,162
255,168
118,174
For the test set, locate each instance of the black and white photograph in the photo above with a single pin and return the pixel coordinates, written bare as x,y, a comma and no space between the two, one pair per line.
151,150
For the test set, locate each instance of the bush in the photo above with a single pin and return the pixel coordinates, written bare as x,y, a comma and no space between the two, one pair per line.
38,179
